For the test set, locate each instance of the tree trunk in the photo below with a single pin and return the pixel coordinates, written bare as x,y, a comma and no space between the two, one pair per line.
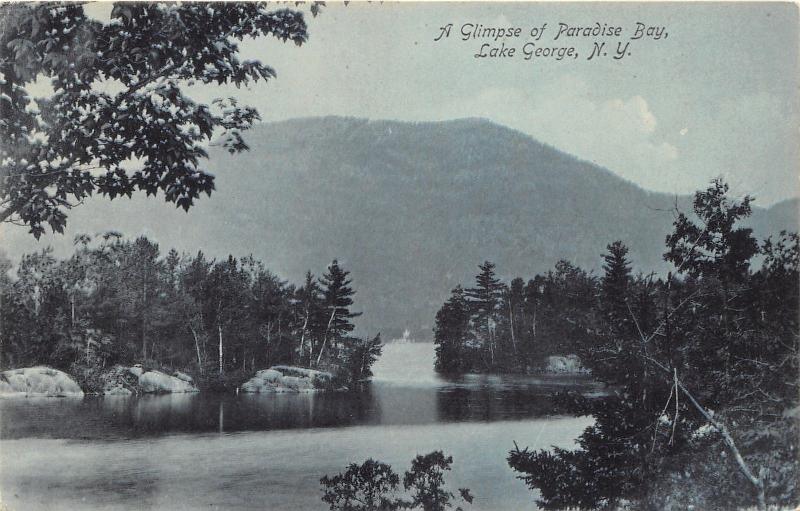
757,482
269,341
144,318
204,347
303,337
490,333
197,348
511,322
325,339
219,327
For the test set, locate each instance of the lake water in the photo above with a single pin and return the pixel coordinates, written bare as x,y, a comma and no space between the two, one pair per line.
267,452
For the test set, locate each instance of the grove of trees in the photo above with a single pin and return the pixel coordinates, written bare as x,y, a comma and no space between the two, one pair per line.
513,328
701,366
124,301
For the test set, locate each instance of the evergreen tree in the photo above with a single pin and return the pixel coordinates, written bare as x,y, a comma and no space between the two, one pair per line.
144,269
451,334
484,300
337,299
615,284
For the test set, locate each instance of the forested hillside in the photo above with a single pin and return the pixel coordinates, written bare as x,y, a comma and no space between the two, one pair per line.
409,208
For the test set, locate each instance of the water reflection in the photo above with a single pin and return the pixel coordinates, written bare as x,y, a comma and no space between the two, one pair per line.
125,416
492,397
132,460
485,398
398,396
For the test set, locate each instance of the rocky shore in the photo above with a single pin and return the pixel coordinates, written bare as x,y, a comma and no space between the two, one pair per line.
287,379
122,380
119,380
38,381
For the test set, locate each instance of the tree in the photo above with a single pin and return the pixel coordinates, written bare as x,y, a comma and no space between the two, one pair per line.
618,339
365,487
425,480
716,246
193,284
147,137
359,356
226,298
615,283
269,313
372,485
309,302
144,269
337,298
484,300
451,333
514,305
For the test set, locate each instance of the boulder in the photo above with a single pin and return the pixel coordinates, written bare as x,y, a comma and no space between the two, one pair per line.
319,378
38,382
561,364
119,381
117,390
286,379
123,381
156,382
183,376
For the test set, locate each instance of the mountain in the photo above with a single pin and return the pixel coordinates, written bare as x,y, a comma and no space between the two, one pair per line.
409,208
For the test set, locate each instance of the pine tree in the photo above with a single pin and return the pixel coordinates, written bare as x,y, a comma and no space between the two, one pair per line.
615,283
451,333
485,299
142,268
337,299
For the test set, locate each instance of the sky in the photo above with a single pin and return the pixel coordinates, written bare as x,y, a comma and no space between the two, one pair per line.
717,97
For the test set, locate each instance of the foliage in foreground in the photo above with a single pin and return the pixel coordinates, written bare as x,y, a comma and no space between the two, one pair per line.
148,136
373,486
703,366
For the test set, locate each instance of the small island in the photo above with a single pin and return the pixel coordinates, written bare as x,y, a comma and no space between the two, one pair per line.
536,327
